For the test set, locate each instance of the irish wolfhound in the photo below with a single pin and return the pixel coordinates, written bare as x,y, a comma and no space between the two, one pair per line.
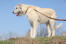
36,18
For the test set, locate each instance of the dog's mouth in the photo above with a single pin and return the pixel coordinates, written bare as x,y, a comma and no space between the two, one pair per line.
18,14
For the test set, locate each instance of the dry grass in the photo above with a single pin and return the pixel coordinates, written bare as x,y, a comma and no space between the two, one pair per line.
41,40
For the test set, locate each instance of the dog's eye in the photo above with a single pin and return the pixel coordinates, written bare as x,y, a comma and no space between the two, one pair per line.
16,8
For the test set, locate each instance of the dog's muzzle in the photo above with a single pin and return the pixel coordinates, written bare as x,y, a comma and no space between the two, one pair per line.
18,13
15,13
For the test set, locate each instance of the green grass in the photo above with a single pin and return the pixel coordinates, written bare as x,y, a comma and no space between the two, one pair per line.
8,41
43,40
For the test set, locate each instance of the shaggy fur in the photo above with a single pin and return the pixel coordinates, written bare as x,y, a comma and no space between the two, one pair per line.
36,18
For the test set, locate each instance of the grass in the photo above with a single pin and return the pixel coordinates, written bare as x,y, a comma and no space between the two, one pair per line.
8,41
43,40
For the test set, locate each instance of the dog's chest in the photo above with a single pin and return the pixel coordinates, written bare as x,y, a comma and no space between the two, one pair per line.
31,17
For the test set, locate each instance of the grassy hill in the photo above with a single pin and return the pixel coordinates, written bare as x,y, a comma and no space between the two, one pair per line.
43,40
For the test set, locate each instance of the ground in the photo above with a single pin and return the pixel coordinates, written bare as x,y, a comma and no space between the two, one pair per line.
40,40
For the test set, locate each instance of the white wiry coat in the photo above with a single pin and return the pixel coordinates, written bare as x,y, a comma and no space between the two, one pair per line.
36,18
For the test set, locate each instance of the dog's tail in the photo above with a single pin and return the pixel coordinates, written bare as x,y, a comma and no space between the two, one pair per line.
58,26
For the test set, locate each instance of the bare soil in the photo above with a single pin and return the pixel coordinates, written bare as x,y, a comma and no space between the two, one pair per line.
35,41
27,41
57,41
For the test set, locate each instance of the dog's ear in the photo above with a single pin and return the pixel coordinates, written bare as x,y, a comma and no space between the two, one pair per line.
20,4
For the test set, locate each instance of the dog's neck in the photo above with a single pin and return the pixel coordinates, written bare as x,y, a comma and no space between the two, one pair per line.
25,8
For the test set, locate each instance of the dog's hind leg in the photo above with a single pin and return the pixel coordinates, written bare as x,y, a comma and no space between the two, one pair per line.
49,30
53,26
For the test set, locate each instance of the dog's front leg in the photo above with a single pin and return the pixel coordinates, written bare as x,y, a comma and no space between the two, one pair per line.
33,31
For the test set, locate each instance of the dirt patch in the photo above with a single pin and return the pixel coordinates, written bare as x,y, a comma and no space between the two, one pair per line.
53,40
57,41
27,41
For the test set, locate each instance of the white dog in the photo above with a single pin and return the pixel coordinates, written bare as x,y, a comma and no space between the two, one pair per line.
36,18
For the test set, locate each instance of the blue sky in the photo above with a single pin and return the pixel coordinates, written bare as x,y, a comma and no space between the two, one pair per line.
20,25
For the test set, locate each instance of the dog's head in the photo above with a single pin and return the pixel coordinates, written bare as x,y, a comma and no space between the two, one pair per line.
18,10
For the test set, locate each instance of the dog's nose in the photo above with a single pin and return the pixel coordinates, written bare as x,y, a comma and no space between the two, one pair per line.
13,12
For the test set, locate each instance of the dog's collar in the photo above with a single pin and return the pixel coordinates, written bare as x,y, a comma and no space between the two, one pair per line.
27,10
